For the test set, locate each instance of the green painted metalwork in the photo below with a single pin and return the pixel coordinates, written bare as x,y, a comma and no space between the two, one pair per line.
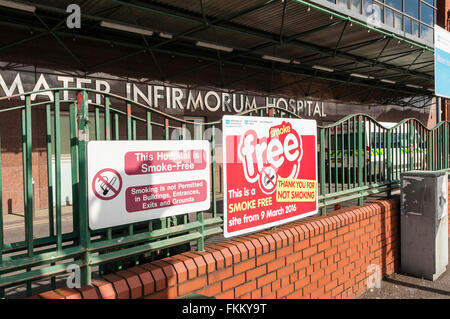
74,165
49,171
322,178
83,136
57,121
357,157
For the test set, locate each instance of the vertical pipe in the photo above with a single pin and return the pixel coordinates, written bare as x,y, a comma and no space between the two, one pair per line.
57,125
83,135
438,110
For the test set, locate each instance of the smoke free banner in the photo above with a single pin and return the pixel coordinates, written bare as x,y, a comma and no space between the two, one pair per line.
270,172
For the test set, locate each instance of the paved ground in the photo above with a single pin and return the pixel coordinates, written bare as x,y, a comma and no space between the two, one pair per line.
399,286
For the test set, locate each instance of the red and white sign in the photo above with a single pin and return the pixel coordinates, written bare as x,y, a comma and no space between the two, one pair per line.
134,181
270,172
107,184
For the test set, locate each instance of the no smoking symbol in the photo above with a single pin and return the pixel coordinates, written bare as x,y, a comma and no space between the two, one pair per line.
107,184
268,179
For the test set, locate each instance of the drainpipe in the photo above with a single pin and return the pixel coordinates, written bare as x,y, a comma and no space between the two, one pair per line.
438,110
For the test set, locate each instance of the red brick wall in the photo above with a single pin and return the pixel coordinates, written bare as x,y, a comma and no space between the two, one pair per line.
318,257
11,161
442,13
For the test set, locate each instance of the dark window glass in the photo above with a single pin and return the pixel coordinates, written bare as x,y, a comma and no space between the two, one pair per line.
426,13
412,8
397,4
389,17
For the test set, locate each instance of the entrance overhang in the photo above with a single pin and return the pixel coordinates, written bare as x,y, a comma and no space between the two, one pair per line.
292,44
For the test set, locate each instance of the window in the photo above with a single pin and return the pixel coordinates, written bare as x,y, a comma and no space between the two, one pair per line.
426,14
412,8
415,17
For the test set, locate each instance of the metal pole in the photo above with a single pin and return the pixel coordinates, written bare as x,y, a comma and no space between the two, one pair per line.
438,110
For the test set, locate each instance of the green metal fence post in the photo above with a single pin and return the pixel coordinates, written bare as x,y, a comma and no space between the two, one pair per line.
389,160
323,210
446,146
74,166
83,137
411,145
49,171
29,184
57,125
129,138
360,159
200,215
213,170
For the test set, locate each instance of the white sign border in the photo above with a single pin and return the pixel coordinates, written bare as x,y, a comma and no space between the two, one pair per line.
273,224
122,147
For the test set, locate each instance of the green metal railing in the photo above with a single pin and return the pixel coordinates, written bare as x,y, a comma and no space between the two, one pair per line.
360,157
357,157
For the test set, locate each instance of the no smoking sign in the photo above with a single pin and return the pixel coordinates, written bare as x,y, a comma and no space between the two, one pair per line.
268,179
107,184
